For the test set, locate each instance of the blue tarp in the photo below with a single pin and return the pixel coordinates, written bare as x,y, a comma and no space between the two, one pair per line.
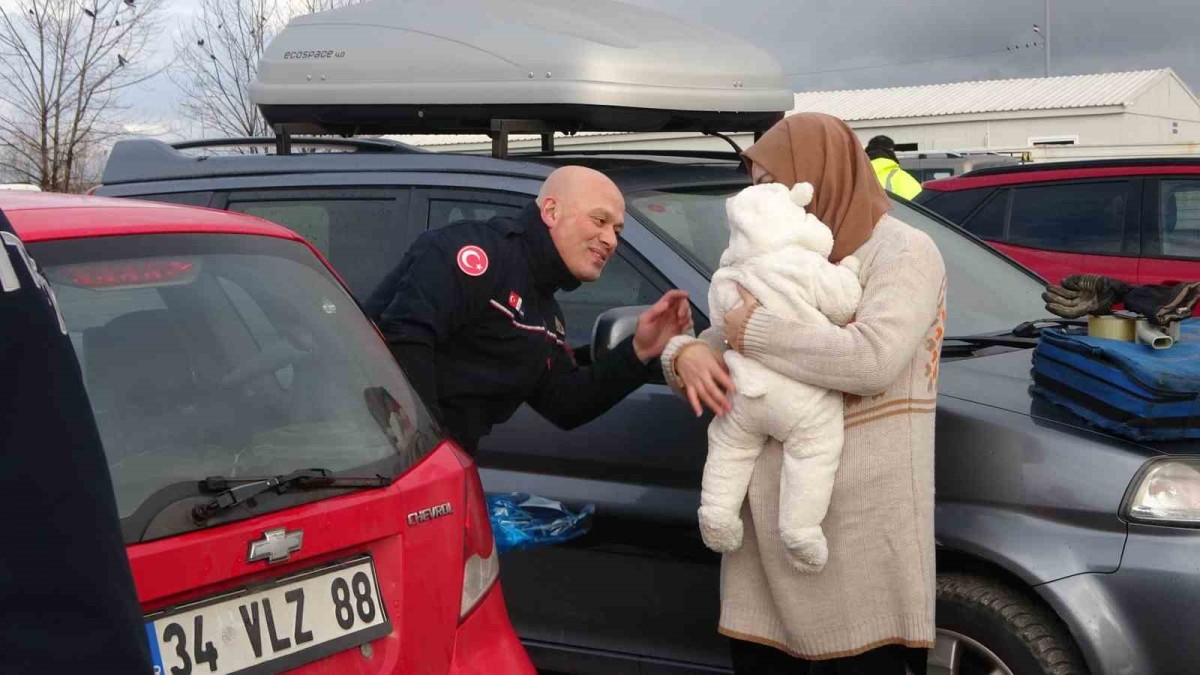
523,521
1123,387
1169,371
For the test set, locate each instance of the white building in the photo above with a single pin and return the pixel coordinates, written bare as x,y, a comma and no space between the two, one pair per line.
1081,116
1147,113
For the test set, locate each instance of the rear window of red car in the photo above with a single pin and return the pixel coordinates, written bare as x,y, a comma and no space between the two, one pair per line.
226,355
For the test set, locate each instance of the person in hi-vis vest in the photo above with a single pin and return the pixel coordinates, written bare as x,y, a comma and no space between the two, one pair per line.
882,151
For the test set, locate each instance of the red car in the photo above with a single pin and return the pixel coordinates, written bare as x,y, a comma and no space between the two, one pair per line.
285,498
1133,219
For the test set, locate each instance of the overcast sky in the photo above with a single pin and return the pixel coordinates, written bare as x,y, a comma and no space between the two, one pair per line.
836,44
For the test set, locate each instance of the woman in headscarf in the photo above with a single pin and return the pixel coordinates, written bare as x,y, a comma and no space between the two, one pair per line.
871,609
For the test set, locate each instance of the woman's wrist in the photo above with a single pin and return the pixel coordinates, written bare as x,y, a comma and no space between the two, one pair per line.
737,341
681,351
670,356
756,332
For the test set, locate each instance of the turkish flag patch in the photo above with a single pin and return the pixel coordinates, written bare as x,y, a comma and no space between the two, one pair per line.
514,300
472,260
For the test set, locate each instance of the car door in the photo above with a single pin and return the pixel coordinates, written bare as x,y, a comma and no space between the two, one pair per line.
640,582
1171,237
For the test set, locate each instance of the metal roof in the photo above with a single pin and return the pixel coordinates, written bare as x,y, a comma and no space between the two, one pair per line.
992,96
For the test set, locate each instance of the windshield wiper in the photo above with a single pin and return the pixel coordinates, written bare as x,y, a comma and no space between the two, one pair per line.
994,340
967,345
304,479
1030,329
1023,336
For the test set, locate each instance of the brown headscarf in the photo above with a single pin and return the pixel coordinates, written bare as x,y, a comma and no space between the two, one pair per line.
820,149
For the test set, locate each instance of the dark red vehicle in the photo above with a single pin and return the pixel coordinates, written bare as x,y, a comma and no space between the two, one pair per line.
286,501
1135,219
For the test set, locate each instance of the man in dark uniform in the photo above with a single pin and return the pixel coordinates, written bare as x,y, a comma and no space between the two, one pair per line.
470,312
67,601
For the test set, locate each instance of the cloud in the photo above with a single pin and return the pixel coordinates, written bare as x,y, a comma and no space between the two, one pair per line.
877,43
151,129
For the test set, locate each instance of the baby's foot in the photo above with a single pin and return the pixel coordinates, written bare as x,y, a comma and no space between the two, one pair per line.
720,528
806,549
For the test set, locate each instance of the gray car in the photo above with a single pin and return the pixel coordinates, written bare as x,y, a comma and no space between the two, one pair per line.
1041,566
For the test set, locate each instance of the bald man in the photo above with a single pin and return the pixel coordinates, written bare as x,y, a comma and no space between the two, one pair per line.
470,312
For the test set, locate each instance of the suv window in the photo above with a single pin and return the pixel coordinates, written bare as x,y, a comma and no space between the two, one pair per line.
973,271
692,219
620,285
364,233
988,222
954,206
1179,204
443,212
1077,217
446,206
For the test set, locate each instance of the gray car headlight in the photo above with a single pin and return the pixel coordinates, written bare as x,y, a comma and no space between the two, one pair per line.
1167,492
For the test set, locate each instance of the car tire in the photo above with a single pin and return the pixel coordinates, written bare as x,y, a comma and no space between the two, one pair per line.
988,620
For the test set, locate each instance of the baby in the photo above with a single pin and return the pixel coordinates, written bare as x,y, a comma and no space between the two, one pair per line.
779,253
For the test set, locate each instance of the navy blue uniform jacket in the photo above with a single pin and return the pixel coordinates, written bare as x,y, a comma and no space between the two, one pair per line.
470,315
67,600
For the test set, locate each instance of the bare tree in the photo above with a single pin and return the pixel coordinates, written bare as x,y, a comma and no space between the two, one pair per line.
218,56
63,67
314,6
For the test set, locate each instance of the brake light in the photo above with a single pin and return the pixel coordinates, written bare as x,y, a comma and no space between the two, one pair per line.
127,273
481,563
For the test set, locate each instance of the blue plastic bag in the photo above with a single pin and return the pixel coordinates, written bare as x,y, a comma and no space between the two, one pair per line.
523,521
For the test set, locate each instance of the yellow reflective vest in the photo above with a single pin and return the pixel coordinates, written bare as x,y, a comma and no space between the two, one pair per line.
894,179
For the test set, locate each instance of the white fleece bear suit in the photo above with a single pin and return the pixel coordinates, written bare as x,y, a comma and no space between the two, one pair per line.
779,253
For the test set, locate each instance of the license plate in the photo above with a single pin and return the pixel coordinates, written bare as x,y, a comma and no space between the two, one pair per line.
269,629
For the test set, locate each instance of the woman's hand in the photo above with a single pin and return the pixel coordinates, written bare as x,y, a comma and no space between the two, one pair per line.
705,378
737,318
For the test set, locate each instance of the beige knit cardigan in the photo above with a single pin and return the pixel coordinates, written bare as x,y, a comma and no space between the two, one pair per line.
878,586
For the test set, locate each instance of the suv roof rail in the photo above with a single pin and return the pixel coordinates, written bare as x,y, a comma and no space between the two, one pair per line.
358,144
687,154
1082,164
151,160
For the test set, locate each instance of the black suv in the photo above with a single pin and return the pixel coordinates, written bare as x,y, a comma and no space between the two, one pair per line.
1041,567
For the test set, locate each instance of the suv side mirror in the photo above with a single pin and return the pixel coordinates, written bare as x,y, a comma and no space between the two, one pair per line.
612,328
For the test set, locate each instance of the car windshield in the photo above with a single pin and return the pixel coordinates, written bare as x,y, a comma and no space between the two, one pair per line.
985,292
228,355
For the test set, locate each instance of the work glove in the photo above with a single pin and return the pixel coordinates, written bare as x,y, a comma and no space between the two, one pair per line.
1084,294
1163,304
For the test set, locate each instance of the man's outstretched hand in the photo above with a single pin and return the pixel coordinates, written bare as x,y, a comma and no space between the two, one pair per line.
670,316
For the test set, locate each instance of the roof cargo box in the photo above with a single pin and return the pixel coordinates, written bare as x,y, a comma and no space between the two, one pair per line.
455,66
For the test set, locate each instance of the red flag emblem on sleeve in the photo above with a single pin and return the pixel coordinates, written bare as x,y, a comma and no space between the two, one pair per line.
514,300
472,261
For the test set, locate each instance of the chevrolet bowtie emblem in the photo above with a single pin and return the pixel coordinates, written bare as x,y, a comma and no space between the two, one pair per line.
276,545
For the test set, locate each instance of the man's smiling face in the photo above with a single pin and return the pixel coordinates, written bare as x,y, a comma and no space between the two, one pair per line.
585,213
